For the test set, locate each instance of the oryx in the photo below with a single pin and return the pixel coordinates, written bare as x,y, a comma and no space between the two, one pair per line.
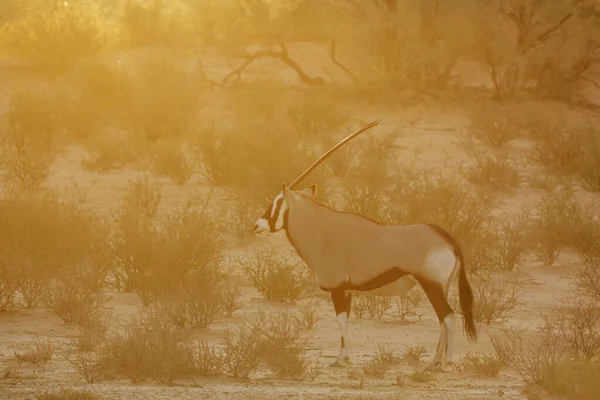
349,252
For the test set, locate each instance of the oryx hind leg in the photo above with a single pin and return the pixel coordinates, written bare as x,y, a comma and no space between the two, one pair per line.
341,304
435,280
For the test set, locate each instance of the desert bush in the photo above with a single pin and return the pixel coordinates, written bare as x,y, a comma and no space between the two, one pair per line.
495,301
232,298
408,302
107,152
243,350
68,247
171,159
512,243
91,333
154,23
316,114
557,149
88,364
587,163
143,195
75,299
154,254
239,215
196,301
572,380
588,280
54,37
68,394
506,344
491,129
421,376
28,140
284,343
578,327
10,281
208,361
40,352
413,355
381,360
149,347
399,50
31,289
309,312
534,354
276,277
486,364
375,306
498,172
150,118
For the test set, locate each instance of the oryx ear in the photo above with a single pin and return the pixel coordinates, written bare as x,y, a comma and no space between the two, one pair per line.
310,191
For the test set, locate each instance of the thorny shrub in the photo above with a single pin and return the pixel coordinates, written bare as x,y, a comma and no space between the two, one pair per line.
498,172
577,324
75,299
407,303
62,262
28,140
55,37
381,360
40,352
171,159
284,342
375,306
150,118
275,276
572,380
492,128
149,347
413,355
573,153
243,350
512,241
495,302
486,364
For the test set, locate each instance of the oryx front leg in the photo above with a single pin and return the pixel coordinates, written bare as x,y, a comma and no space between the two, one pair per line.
341,304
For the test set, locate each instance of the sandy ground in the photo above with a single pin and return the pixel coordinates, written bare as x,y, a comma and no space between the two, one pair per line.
435,140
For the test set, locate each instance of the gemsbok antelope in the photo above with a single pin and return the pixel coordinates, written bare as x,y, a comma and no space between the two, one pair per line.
348,252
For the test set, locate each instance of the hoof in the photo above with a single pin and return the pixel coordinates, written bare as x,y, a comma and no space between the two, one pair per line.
433,366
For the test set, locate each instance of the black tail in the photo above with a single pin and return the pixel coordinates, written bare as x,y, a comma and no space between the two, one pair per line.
465,295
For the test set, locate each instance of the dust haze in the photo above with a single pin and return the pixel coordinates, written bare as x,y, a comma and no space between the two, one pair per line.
141,140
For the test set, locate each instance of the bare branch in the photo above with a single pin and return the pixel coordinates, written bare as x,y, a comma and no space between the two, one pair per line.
542,37
338,63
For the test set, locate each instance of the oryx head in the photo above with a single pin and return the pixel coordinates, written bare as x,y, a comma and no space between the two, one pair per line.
273,219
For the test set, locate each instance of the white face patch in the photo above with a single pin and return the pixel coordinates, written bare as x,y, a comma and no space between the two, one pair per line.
274,207
280,217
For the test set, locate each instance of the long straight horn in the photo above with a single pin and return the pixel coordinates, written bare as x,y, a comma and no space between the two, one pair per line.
334,148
